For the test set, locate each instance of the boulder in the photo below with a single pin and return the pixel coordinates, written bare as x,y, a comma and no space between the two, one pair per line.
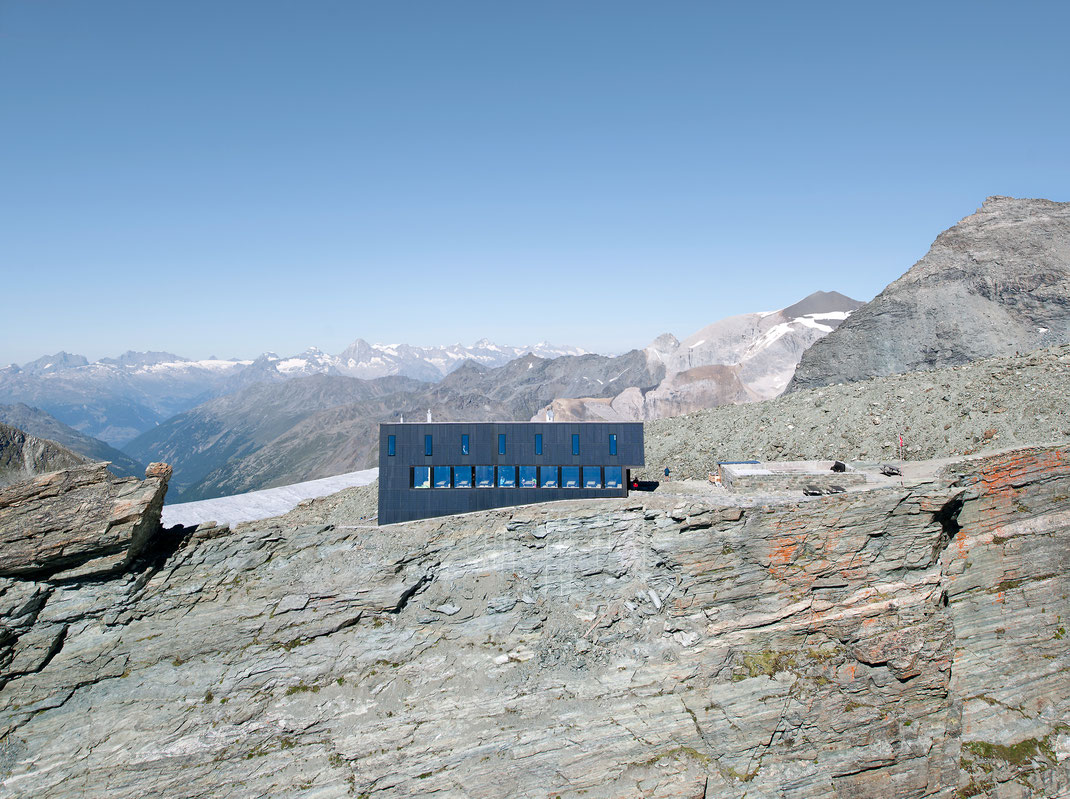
78,522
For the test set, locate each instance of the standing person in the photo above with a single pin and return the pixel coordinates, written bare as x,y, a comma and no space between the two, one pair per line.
666,471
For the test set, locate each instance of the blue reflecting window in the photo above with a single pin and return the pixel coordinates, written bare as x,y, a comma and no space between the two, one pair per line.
391,445
570,476
592,476
613,477
442,477
506,477
462,476
421,477
538,443
575,445
529,477
548,476
464,443
427,445
612,443
501,443
484,477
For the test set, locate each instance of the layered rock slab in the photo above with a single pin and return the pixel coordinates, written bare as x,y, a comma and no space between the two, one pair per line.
663,647
82,521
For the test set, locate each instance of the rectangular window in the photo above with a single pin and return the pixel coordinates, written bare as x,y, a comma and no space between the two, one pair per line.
592,476
529,477
506,477
570,476
462,476
501,443
391,445
421,477
464,443
613,477
484,477
612,443
575,445
427,445
538,443
442,477
548,477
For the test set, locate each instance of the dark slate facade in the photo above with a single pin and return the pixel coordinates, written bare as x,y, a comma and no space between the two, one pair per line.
598,472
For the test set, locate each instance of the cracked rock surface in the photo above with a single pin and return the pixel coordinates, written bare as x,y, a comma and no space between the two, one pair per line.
903,641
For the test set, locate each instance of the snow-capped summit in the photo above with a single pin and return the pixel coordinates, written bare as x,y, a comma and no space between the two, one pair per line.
361,359
739,359
766,345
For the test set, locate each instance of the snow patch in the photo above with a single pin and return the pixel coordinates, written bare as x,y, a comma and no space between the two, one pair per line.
291,364
263,504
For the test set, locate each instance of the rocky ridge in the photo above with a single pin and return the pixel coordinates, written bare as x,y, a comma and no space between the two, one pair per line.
23,456
985,405
904,641
996,283
43,425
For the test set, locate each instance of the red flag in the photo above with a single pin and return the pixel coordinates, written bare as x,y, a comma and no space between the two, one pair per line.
900,440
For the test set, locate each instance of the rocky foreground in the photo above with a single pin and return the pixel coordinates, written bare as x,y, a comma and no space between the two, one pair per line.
905,641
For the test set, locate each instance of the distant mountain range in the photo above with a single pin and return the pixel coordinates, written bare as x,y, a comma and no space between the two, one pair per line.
739,359
228,426
275,433
117,399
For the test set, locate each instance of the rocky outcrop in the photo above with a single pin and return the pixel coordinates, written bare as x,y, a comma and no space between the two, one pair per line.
78,523
995,284
905,641
43,425
23,456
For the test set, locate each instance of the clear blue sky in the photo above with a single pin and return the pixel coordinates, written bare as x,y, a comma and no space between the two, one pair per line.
233,177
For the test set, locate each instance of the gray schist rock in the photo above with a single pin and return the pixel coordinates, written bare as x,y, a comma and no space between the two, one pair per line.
78,522
995,284
904,641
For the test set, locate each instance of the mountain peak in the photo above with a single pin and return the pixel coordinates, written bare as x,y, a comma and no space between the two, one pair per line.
821,302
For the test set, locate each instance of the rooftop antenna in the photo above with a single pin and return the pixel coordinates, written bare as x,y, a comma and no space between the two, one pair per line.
402,418
429,416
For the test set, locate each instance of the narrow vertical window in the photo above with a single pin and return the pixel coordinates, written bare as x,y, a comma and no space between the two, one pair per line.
538,443
391,445
501,443
612,443
427,445
575,443
464,444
